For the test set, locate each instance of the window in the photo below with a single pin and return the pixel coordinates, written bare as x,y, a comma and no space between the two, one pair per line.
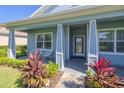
120,41
44,41
111,41
106,41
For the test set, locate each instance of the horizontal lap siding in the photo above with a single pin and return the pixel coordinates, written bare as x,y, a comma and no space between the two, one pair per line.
31,42
116,59
32,37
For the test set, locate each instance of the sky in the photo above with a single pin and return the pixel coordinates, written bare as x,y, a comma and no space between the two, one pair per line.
15,12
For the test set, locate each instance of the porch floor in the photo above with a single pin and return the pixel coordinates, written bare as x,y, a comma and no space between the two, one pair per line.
74,73
77,65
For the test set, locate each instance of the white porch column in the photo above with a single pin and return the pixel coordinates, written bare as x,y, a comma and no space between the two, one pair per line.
92,42
60,46
11,44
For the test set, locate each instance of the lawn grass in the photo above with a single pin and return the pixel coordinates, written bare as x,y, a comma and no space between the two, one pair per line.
8,77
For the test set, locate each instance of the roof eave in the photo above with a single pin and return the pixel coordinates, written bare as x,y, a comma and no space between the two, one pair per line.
45,16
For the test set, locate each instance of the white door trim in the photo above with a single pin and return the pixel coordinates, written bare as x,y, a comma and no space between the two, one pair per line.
74,54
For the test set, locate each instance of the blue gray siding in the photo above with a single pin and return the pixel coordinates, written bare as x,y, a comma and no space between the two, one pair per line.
116,59
31,42
32,37
65,42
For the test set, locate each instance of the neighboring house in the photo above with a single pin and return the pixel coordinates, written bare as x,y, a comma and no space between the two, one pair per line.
21,37
74,31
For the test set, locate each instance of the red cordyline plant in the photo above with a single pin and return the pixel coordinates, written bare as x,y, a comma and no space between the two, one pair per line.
33,71
105,76
103,67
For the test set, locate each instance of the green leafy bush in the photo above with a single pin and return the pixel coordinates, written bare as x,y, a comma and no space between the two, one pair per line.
15,63
21,50
53,68
18,47
3,53
49,69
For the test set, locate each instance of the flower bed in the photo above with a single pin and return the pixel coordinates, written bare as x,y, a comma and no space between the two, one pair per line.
36,74
104,76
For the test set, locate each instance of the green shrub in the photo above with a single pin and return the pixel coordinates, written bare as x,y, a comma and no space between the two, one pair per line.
18,47
15,63
3,53
53,68
21,50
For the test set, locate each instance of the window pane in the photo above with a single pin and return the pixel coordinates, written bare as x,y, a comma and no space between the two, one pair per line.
120,34
120,46
47,45
106,46
106,35
40,37
47,37
40,45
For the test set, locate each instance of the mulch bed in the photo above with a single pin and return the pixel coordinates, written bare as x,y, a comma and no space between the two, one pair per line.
55,79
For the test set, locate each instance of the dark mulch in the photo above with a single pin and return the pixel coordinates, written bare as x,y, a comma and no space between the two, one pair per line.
55,79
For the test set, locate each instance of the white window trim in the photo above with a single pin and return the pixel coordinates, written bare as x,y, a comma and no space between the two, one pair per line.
43,40
115,41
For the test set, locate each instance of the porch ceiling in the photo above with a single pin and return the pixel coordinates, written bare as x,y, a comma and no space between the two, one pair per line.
111,19
67,22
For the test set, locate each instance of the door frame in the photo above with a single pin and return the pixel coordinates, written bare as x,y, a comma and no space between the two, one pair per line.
79,55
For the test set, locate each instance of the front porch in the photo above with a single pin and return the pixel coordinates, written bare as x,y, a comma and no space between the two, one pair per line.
65,41
72,39
76,65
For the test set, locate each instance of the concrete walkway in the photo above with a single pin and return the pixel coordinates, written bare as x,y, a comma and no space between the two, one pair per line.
73,74
71,80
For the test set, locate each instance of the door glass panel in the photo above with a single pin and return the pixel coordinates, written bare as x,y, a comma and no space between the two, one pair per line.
79,45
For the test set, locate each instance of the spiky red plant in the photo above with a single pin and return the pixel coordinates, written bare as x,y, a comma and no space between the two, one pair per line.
103,67
104,75
32,75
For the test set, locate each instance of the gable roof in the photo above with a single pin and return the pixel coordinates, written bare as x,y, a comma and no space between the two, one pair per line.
40,10
52,8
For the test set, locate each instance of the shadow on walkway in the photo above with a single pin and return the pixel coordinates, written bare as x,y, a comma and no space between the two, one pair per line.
78,83
77,64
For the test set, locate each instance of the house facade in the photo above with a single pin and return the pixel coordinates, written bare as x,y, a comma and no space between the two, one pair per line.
20,37
70,31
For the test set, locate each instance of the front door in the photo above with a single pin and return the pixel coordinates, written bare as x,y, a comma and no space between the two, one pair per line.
78,46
